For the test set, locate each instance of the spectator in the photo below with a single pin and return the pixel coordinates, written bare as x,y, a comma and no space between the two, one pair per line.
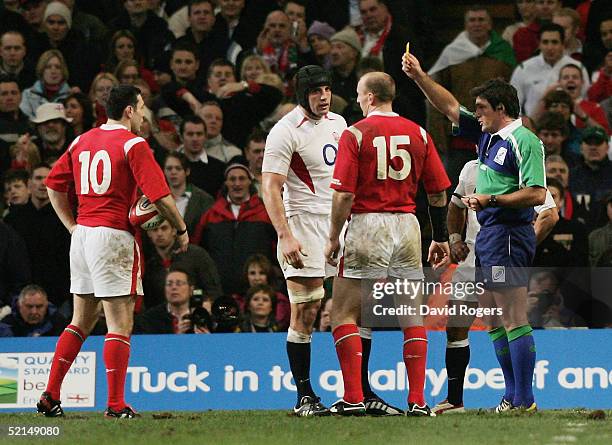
173,316
123,46
545,303
46,238
385,38
151,32
259,310
344,56
559,101
206,172
527,39
52,127
91,27
13,59
324,324
33,12
526,12
258,270
238,27
557,168
82,59
191,200
127,72
79,108
24,153
553,131
33,316
569,19
216,145
212,42
601,89
254,153
236,227
600,240
51,86
196,262
319,35
591,179
598,38
99,92
533,76
15,271
566,244
16,187
12,120
252,67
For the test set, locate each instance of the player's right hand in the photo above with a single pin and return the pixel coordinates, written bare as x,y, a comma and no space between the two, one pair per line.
411,66
459,251
183,242
291,250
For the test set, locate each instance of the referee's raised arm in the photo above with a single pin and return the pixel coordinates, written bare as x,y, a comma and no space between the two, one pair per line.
440,97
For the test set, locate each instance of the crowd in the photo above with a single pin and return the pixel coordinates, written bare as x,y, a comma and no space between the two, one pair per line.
216,75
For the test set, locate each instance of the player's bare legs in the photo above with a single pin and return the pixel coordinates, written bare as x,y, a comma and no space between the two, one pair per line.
346,308
519,344
119,312
84,318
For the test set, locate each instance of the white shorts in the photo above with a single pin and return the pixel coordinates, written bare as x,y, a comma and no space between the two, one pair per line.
381,245
465,273
105,262
312,231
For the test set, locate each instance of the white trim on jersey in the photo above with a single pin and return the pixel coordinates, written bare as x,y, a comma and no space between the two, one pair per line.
110,127
423,135
358,135
129,144
76,139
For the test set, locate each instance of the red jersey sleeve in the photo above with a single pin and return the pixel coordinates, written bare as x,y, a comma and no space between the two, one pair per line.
61,178
434,176
346,170
146,171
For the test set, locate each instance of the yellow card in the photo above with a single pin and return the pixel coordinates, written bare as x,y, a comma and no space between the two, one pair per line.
407,47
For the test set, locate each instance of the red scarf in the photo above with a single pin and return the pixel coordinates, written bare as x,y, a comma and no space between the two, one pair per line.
51,90
376,49
278,65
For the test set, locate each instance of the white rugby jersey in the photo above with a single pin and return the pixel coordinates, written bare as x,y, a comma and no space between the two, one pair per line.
305,151
467,186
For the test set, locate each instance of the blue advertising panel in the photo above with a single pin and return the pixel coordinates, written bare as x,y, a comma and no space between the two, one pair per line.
250,371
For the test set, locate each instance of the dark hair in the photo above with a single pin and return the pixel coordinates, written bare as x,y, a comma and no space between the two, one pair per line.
112,58
180,270
260,288
257,135
15,175
220,62
120,97
552,120
369,64
85,103
191,119
179,156
303,3
571,65
554,182
558,96
9,78
382,86
185,46
37,166
477,7
198,2
499,92
552,27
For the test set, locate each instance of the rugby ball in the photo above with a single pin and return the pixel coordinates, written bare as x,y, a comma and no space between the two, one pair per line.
143,214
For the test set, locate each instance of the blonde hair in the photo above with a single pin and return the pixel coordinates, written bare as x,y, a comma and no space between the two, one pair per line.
253,58
98,78
571,13
44,59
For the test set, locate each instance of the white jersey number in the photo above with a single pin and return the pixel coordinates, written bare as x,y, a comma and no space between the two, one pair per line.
394,151
89,172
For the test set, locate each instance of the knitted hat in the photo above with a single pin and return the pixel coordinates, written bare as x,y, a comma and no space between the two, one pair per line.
58,8
348,36
321,29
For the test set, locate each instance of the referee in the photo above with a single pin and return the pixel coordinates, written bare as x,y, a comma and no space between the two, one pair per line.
510,182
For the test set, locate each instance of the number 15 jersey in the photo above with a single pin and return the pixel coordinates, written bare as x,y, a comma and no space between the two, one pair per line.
304,150
106,165
381,160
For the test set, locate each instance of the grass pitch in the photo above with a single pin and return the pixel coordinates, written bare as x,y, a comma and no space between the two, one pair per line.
277,427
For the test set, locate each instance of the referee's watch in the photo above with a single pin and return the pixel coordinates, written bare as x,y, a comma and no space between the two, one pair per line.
493,201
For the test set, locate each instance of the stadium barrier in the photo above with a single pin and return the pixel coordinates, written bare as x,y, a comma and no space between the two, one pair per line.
250,371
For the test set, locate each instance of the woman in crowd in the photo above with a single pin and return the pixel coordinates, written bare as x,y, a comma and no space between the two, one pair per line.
51,86
252,67
100,89
127,72
80,108
259,310
124,47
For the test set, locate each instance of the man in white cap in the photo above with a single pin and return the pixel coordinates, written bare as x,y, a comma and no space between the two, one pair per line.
51,125
344,55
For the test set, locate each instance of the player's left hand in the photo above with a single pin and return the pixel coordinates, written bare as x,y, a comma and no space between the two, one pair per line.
476,201
439,254
331,252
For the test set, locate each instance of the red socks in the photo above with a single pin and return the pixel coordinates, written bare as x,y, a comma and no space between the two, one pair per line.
415,359
348,347
116,356
66,350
